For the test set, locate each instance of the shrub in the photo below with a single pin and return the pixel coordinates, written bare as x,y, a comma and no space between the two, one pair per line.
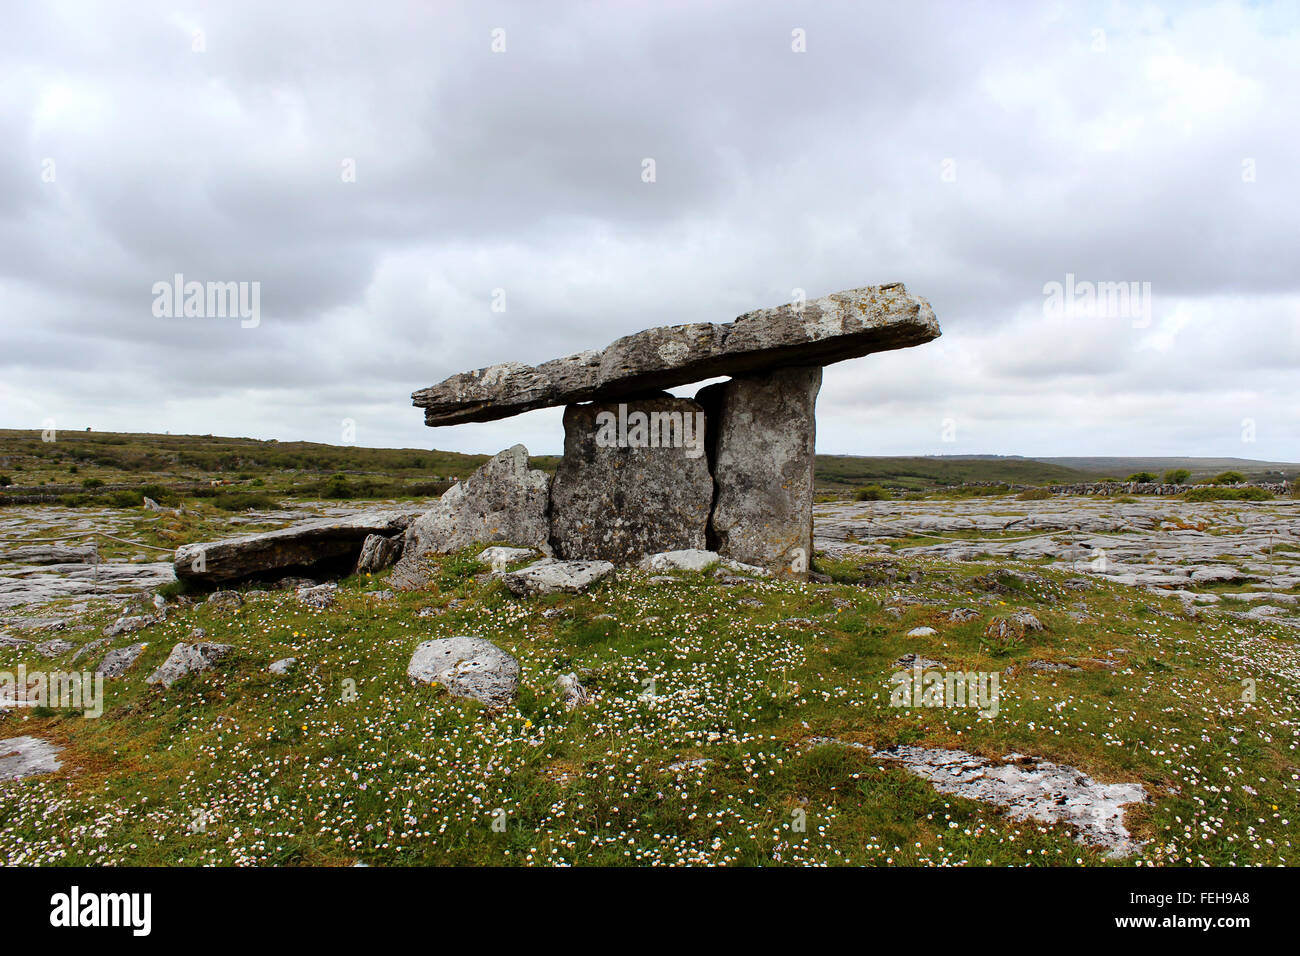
92,483
871,493
1177,476
1142,476
5,481
1228,478
1034,494
243,500
1228,494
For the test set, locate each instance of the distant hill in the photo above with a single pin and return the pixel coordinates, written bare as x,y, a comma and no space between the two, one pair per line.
842,472
80,456
1199,467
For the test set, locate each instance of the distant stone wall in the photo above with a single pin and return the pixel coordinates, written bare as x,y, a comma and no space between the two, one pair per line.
1155,488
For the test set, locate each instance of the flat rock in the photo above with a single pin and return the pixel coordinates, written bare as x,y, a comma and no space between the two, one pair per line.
187,659
549,576
619,502
469,667
503,501
836,327
51,554
283,666
54,647
128,624
761,439
331,542
1030,789
27,756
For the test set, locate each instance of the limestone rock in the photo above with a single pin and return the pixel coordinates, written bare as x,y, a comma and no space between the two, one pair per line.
571,689
51,554
116,662
283,666
54,647
549,576
320,597
500,557
840,326
467,667
321,544
27,756
503,501
761,441
127,625
187,659
1030,789
617,503
225,600
378,553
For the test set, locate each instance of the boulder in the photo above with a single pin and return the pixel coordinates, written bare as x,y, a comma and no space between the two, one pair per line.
503,501
283,666
634,480
840,326
549,577
116,662
326,544
695,559
499,558
761,436
378,553
187,659
320,596
469,667
128,624
225,600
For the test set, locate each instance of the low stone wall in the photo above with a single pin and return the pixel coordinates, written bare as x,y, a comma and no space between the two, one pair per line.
1281,488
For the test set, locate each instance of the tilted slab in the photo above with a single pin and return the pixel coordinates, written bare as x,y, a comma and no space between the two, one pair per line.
840,326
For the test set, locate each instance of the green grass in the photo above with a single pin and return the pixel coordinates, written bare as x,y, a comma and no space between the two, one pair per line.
296,770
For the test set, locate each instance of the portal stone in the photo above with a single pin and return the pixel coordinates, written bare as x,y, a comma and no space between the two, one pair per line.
761,437
634,480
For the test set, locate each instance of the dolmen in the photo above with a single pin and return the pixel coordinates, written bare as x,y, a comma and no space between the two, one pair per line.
644,472
729,471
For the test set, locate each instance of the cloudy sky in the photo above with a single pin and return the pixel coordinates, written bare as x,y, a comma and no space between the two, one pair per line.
388,171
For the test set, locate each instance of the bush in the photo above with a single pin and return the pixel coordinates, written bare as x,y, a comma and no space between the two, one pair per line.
1034,494
1228,494
871,493
1177,476
243,500
5,481
92,483
1228,478
1142,476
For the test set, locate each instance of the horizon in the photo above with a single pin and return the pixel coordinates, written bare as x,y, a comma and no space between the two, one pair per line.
83,430
1093,200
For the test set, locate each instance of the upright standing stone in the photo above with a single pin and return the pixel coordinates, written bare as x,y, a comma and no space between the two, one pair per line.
634,480
503,501
761,437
